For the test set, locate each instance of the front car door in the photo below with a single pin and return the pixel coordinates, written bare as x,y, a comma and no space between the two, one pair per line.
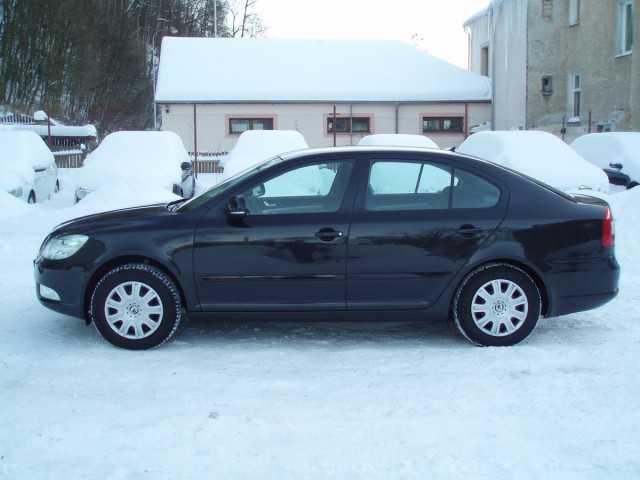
417,220
289,252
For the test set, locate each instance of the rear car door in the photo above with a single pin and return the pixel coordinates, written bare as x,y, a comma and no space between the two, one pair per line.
289,252
418,219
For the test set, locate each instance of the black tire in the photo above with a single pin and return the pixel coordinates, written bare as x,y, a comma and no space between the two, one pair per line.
632,185
473,285
32,197
57,187
160,282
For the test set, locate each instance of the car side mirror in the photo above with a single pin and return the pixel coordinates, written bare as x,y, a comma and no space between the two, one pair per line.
617,166
237,207
186,166
259,191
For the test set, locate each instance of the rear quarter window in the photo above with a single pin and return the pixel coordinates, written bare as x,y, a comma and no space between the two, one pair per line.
472,191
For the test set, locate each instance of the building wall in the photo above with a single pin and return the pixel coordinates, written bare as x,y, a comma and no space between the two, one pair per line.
310,120
502,28
610,83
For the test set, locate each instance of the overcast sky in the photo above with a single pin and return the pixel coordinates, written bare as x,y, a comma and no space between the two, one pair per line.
438,23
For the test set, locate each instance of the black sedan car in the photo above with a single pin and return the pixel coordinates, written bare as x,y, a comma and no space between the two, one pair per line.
341,231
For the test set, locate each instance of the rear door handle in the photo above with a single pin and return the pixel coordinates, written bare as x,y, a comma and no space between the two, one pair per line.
469,229
328,234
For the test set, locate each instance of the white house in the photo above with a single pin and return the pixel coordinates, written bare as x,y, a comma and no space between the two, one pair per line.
332,91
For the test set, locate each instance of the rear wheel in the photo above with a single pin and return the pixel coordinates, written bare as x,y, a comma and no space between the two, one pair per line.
136,306
497,305
32,197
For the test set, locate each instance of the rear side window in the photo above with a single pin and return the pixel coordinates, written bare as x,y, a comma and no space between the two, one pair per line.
471,191
408,186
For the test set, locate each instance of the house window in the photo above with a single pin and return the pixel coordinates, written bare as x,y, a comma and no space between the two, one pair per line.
575,95
349,124
484,61
547,9
574,12
625,26
547,85
240,125
442,124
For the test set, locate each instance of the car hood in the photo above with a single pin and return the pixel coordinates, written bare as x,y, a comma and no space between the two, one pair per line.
113,218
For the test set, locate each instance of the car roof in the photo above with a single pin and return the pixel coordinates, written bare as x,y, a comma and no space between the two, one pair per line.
360,149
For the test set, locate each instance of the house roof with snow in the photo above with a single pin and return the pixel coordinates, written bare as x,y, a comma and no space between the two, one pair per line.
222,70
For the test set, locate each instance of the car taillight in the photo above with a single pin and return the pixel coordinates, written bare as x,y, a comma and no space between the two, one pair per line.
608,233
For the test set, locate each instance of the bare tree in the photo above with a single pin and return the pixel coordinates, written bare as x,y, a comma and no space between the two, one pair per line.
244,19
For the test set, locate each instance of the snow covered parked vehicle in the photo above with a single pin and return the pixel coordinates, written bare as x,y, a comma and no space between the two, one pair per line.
255,146
540,155
140,159
397,140
617,153
27,167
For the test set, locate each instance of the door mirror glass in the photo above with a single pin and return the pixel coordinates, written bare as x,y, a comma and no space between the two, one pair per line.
237,207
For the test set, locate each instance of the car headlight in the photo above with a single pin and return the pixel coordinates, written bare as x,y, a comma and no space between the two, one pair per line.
59,248
82,192
17,192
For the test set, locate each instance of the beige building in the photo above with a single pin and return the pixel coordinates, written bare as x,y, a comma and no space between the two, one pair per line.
581,73
333,92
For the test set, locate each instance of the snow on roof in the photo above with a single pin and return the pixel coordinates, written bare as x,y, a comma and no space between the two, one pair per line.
57,130
494,4
280,70
397,140
537,154
20,153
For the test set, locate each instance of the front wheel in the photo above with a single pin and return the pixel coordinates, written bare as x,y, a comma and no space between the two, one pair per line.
497,305
136,306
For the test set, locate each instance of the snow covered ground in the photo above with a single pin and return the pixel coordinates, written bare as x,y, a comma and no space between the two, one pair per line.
292,400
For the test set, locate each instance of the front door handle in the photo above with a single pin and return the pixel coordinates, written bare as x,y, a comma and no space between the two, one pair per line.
469,229
328,234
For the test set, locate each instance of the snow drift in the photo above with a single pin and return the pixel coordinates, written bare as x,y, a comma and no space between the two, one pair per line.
255,146
540,155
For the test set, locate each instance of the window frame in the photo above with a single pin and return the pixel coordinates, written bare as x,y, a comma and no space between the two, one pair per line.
251,119
575,92
623,28
329,119
549,91
574,12
441,119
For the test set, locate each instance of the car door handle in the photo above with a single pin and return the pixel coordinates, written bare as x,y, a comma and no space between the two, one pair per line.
328,234
468,229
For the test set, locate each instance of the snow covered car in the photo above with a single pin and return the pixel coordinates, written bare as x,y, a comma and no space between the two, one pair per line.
255,146
140,159
456,236
617,153
27,166
397,140
540,155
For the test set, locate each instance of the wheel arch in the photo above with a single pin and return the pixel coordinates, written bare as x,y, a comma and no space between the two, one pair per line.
123,260
528,269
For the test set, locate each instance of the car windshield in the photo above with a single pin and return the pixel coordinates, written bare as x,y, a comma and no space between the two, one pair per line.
227,184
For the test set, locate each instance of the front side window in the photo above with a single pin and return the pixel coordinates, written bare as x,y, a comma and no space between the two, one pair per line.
442,124
315,188
349,124
240,125
408,186
625,26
